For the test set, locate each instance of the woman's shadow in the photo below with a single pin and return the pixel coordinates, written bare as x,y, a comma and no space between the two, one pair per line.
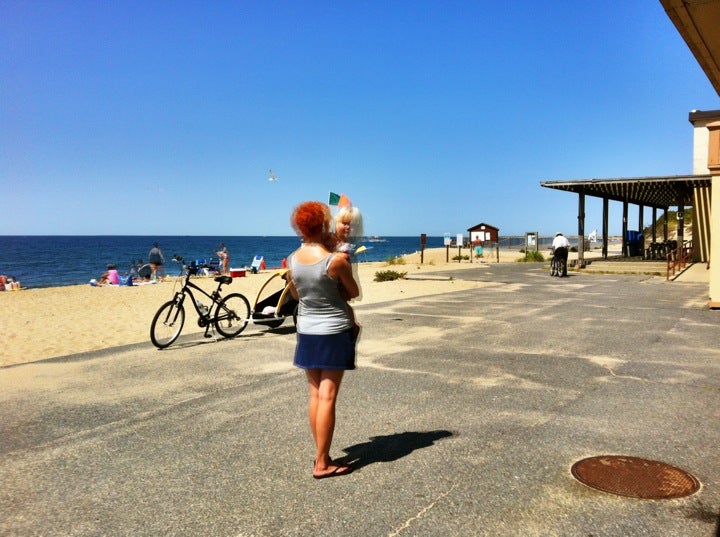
390,447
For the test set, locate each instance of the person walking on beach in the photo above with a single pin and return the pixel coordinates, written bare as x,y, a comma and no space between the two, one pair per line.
323,282
157,261
224,257
560,247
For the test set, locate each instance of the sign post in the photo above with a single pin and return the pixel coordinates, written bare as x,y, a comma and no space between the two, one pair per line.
459,240
446,241
531,241
423,240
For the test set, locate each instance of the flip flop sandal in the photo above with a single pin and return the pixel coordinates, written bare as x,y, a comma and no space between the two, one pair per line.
338,471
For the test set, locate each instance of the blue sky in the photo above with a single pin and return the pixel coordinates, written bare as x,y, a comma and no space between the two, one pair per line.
164,117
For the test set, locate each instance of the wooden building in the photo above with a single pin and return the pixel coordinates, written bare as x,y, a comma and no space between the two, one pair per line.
484,233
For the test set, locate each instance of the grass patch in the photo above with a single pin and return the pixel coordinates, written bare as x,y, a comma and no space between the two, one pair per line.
395,260
389,275
532,257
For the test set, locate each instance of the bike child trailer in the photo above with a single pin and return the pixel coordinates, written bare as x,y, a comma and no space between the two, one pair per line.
272,310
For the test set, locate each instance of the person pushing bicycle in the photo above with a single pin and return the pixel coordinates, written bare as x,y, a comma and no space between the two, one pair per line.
560,246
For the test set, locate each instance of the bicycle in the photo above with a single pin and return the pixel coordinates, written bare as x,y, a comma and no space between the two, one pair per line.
228,315
557,266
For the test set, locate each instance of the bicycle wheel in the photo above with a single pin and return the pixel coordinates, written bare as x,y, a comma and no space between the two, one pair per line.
167,324
562,268
232,314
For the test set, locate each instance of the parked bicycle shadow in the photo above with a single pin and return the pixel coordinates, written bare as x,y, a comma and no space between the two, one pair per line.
197,340
390,447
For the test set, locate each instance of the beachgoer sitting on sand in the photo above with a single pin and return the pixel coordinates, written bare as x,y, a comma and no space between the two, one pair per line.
113,275
133,272
9,283
109,277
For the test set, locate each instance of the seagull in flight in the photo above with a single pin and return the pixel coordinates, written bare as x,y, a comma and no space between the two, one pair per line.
272,177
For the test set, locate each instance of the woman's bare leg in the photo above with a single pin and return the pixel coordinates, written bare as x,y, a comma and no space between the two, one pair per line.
313,376
324,386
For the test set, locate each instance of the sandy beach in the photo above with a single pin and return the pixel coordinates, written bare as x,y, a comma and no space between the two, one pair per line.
46,323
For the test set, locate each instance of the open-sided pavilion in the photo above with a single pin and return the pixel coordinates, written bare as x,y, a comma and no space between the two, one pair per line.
697,21
655,193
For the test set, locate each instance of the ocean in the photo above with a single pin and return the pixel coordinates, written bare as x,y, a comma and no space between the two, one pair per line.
56,260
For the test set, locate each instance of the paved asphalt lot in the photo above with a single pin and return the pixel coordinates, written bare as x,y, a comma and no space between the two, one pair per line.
465,415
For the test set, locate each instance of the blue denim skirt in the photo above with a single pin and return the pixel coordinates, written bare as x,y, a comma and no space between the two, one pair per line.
331,351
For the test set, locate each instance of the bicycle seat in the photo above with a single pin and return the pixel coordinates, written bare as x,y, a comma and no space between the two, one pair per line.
224,280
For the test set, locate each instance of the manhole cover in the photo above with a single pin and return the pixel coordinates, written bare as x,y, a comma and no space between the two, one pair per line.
637,478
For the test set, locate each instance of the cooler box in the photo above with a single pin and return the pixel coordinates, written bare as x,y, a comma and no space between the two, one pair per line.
237,273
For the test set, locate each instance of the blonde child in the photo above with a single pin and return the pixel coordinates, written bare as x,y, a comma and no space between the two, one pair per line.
348,231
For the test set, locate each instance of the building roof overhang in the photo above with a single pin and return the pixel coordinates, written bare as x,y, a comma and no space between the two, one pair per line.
658,192
698,22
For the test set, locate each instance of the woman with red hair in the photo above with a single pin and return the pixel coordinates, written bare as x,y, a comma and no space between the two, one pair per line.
323,283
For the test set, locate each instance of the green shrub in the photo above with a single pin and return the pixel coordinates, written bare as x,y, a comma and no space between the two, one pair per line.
461,258
389,275
532,257
395,260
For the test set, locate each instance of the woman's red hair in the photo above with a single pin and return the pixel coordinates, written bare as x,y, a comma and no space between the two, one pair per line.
310,219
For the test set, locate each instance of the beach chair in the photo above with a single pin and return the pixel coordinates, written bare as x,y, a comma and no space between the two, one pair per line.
257,264
194,268
214,265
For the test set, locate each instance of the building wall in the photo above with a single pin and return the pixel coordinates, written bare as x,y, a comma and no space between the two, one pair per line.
702,223
484,232
700,147
714,267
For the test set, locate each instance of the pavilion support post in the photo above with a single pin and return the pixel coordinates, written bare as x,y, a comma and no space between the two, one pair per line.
680,230
605,228
665,224
581,230
625,229
654,225
641,227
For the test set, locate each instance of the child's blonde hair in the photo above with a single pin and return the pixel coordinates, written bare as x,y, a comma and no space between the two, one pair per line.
350,215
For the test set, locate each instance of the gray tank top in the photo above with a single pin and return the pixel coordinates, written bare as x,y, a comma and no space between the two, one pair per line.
322,310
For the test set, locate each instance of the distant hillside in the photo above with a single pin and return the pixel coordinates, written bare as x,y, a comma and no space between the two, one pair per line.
672,226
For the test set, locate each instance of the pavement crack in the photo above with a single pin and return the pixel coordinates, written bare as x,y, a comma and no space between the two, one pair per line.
631,377
422,512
